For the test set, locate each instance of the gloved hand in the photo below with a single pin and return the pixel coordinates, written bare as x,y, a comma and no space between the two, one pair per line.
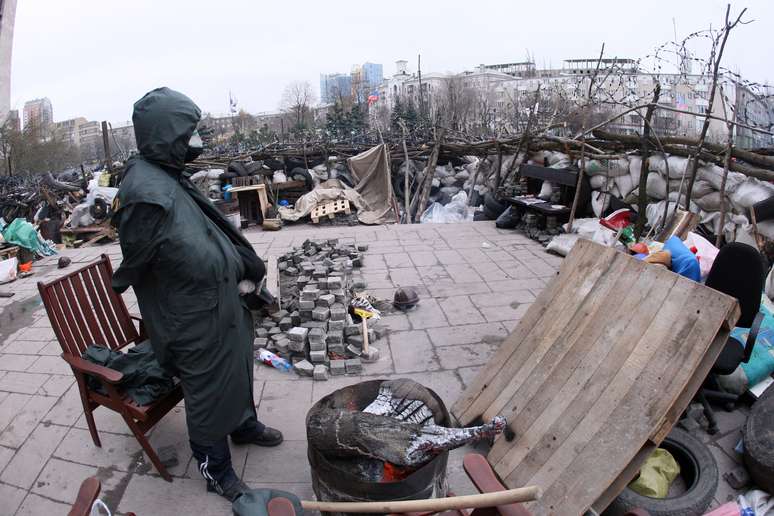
255,269
245,287
255,502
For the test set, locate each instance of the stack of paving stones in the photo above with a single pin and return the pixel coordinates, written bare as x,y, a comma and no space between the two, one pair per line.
314,330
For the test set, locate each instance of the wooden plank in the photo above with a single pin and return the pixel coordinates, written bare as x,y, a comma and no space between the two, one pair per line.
594,413
633,468
601,365
272,280
649,397
501,377
558,354
557,418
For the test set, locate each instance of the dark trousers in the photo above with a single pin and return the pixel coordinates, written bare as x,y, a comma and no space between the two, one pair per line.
214,460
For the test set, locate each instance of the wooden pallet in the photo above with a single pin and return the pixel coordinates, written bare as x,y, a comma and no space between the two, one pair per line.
330,209
595,375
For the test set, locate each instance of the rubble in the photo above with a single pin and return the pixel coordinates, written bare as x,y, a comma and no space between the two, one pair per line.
313,325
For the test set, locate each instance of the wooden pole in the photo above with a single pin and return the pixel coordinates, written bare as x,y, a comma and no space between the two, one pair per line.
406,185
642,197
420,199
499,167
431,505
694,163
582,170
106,145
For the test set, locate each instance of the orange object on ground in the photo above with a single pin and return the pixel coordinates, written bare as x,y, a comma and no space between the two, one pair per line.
25,267
640,248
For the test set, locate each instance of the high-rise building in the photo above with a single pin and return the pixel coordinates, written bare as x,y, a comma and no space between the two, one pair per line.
7,16
69,130
38,116
372,74
90,136
333,86
13,120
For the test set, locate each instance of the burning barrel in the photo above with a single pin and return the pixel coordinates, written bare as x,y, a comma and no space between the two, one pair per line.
364,479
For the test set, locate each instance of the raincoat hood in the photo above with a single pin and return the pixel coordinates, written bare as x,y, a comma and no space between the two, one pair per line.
164,121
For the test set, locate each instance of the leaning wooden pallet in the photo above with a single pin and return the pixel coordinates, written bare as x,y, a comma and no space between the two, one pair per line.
596,374
330,209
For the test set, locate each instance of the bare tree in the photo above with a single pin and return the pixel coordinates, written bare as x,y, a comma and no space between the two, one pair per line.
297,100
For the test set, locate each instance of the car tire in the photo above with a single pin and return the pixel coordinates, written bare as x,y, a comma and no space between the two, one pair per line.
495,207
759,442
698,468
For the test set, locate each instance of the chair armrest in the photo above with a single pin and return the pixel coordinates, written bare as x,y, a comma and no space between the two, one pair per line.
84,366
281,507
143,334
86,495
752,336
483,477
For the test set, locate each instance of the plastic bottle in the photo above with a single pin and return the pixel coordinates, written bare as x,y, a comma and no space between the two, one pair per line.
274,360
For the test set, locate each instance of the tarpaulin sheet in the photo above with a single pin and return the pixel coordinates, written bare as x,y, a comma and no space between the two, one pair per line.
372,196
371,170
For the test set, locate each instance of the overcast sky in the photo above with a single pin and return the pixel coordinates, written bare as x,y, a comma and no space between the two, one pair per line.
94,58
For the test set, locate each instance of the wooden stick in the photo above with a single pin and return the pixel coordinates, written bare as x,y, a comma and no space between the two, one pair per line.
522,494
755,229
365,334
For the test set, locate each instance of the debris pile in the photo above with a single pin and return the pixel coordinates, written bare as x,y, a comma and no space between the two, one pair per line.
316,330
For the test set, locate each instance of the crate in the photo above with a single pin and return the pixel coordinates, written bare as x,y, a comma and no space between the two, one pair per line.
329,209
8,252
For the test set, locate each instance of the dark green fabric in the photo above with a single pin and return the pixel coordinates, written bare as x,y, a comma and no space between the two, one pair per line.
256,501
145,381
180,256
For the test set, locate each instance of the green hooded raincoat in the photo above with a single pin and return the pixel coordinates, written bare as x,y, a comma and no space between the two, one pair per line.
180,256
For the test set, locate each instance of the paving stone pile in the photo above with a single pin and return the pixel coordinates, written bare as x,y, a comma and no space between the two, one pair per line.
314,330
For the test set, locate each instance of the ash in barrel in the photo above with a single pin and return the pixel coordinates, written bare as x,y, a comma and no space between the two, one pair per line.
399,429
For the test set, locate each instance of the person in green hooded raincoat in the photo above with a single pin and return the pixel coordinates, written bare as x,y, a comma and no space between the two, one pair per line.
186,263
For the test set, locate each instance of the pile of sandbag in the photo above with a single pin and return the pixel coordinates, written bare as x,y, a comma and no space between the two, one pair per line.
666,182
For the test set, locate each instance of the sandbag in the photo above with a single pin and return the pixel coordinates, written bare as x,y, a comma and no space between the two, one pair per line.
751,192
625,184
766,228
462,175
713,174
449,181
612,168
700,187
678,167
656,164
546,189
709,202
654,212
656,186
656,475
562,244
635,164
600,202
599,182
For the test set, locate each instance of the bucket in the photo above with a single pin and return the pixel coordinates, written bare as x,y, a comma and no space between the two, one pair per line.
334,484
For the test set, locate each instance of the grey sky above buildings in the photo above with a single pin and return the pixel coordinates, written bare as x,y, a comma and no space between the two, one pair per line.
94,58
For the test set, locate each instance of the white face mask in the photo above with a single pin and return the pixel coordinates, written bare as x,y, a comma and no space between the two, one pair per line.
195,147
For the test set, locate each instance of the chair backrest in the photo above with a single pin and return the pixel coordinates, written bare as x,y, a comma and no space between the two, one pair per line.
84,309
738,272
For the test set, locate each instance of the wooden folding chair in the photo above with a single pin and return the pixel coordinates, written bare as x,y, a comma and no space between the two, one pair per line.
83,310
